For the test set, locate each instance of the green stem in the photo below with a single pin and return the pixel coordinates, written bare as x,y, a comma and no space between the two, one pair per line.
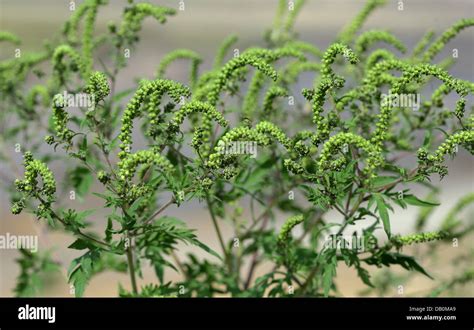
217,228
131,267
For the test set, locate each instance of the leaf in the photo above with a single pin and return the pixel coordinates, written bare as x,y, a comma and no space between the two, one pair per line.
407,262
428,138
84,214
381,181
80,271
364,276
413,200
81,244
382,209
206,248
329,272
81,180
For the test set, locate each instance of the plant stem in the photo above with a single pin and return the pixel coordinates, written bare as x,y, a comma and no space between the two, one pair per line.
216,227
131,266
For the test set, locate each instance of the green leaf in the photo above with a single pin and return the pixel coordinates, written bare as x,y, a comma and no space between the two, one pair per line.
206,248
428,138
382,209
389,258
413,200
80,271
364,276
81,180
329,272
381,181
81,244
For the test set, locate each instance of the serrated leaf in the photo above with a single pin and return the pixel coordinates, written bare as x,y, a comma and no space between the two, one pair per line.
80,271
382,210
206,248
81,244
413,200
328,273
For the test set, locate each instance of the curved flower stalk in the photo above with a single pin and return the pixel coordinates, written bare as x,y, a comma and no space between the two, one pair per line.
329,80
272,55
285,232
374,78
293,70
349,31
444,89
29,186
197,107
251,100
228,69
241,133
378,56
203,84
417,72
422,44
280,13
35,91
177,55
88,11
71,27
226,73
129,164
9,37
330,56
275,132
451,219
223,50
449,34
273,92
263,134
16,69
318,98
88,35
450,144
336,143
305,47
156,89
369,38
134,16
58,62
400,241
250,103
292,14
410,75
283,24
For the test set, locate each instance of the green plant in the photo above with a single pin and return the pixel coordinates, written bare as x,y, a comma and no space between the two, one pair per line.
339,148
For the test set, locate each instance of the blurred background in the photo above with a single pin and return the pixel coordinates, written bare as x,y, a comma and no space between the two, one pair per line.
201,27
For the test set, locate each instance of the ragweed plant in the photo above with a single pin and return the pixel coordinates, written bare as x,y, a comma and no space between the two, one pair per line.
332,165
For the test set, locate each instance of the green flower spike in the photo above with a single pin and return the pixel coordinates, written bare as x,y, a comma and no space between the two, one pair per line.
285,231
29,186
155,89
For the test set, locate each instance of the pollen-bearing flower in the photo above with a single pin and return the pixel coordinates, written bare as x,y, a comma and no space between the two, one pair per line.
30,186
